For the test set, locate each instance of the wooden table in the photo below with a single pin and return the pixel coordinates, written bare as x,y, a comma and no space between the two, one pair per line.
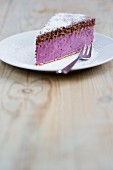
49,121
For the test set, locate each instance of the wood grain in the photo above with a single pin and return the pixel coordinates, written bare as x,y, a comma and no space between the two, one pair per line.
49,121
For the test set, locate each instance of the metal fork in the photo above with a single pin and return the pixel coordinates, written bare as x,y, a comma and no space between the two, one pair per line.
84,54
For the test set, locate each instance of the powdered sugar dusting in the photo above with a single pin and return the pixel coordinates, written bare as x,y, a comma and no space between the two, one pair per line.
62,20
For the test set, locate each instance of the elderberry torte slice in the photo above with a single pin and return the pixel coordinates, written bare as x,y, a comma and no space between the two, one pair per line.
64,34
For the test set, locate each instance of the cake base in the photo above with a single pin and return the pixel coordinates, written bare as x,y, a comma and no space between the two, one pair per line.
59,58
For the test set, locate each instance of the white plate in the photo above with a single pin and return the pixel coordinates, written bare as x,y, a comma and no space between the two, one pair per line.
19,51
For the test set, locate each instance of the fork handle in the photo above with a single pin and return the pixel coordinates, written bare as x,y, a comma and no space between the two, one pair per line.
66,69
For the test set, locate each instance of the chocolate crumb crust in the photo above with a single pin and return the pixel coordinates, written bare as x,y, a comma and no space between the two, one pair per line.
64,30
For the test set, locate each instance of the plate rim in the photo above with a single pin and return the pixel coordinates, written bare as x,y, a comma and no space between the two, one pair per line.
36,68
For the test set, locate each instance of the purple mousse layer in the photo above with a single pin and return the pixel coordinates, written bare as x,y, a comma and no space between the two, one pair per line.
63,45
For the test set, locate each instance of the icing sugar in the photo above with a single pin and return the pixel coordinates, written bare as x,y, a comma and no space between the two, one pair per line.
62,20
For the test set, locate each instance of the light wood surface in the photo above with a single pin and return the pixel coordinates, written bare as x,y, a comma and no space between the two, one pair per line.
49,121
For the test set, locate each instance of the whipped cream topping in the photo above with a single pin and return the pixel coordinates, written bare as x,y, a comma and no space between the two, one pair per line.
63,20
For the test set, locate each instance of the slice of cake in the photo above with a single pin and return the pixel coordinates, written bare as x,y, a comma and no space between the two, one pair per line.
64,34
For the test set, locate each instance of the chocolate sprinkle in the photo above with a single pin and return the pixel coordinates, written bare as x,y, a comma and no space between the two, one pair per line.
65,30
